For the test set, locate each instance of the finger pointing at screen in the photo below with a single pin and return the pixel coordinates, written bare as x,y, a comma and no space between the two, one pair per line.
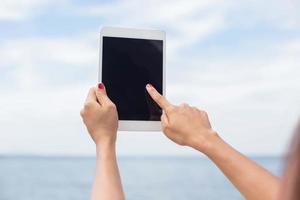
158,98
183,124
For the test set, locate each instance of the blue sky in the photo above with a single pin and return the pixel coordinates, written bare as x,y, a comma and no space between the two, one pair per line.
239,60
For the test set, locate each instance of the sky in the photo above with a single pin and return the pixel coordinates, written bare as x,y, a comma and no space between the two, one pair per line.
238,60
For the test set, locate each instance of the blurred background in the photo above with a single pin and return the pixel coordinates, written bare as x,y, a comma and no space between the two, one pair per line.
238,60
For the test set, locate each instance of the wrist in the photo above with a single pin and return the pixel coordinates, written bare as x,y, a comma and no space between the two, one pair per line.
206,142
104,137
106,144
105,150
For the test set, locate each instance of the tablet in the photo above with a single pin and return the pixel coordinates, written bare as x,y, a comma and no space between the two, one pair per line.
130,59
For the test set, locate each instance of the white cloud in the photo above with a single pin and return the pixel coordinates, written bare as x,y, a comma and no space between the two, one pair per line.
15,10
26,59
33,51
276,13
155,11
190,22
187,22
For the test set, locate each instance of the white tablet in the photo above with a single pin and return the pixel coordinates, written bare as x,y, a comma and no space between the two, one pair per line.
130,59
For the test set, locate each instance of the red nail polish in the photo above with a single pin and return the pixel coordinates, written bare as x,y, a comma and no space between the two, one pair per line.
100,85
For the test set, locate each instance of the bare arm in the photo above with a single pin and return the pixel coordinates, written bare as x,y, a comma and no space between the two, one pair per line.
107,183
190,126
100,117
253,181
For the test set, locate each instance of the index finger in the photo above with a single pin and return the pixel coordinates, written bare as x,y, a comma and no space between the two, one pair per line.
158,98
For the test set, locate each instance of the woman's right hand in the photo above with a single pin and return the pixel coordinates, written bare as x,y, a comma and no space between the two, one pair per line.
190,126
100,116
183,124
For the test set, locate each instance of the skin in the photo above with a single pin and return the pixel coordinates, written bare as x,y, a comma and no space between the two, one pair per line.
101,119
184,125
189,126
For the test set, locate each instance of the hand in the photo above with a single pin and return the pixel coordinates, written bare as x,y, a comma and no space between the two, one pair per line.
100,116
183,124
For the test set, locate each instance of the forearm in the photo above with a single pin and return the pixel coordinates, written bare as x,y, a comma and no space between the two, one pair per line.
107,184
253,181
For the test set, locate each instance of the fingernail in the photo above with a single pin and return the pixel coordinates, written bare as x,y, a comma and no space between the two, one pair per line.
100,85
149,85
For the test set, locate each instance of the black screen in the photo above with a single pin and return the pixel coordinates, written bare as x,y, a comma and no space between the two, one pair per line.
127,66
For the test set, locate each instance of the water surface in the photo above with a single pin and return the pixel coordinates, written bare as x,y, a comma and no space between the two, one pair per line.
153,178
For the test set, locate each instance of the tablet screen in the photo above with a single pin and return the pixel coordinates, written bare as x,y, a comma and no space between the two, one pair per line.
127,66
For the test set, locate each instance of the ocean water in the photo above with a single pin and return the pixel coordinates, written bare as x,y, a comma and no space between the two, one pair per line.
153,178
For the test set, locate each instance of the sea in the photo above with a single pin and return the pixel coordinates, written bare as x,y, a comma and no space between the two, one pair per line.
143,178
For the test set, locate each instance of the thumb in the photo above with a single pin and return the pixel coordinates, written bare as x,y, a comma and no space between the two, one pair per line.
101,94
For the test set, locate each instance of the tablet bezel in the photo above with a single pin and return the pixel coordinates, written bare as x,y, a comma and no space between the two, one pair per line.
131,125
